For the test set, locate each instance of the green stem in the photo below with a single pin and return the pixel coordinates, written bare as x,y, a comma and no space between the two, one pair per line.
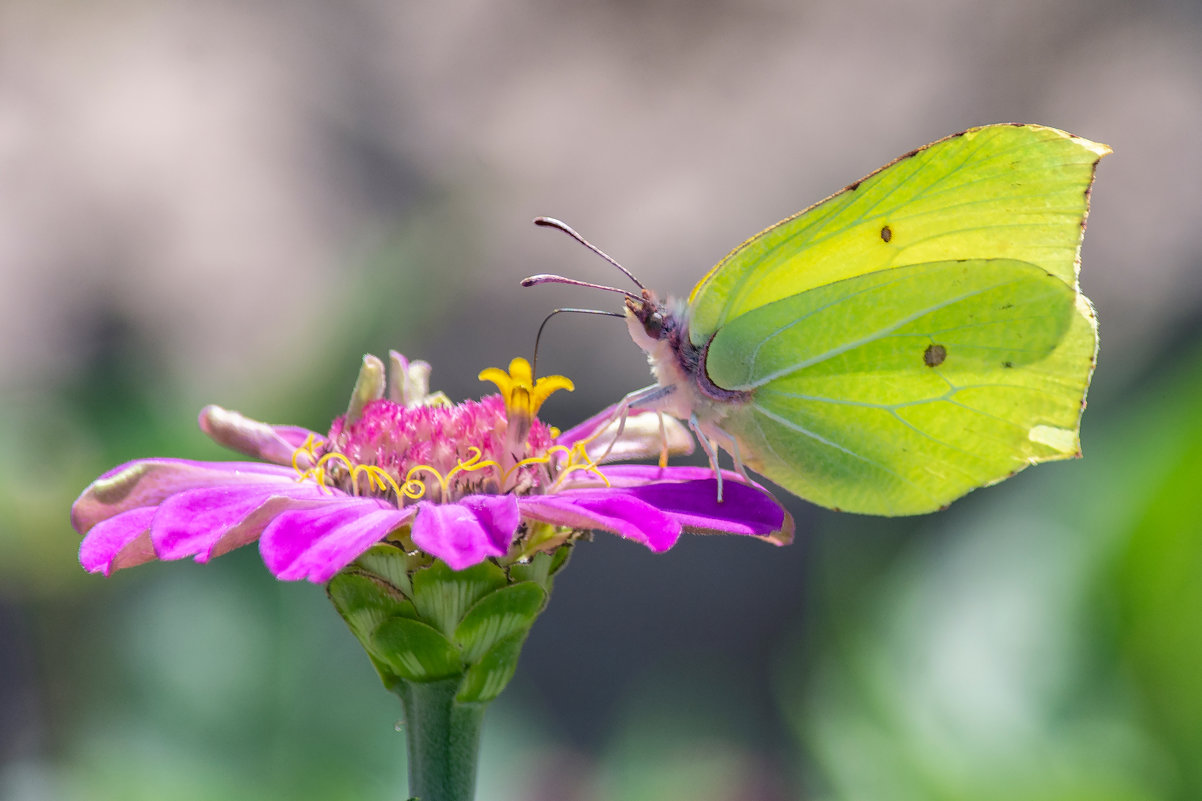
444,739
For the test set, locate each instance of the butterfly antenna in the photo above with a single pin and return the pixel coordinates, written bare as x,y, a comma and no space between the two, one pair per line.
538,337
535,280
551,222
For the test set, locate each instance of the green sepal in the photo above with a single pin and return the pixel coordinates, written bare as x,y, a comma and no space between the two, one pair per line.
442,595
415,651
392,565
485,680
498,615
365,601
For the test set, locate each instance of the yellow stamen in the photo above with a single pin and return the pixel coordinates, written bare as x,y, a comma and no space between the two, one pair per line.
308,448
332,455
592,468
379,478
416,488
473,463
578,459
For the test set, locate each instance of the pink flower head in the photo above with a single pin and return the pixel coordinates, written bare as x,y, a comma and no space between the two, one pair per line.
462,482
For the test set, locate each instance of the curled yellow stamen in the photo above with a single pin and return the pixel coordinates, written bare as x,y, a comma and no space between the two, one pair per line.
308,448
472,463
414,489
545,458
592,468
335,456
548,457
378,478
532,460
578,459
423,468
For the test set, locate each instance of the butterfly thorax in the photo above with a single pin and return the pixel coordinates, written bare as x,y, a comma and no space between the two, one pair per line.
661,330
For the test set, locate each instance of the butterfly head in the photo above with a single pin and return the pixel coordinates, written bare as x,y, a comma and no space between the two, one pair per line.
646,313
650,320
659,328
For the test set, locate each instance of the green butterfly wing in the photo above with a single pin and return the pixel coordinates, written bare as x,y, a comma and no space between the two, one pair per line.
898,391
1000,191
917,335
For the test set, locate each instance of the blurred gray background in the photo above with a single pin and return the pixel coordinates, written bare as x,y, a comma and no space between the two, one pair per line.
232,202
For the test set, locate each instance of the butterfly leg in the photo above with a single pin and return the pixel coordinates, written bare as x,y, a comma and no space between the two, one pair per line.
732,447
708,446
648,396
663,441
622,413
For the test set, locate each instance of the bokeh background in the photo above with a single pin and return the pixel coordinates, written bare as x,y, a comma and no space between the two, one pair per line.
230,202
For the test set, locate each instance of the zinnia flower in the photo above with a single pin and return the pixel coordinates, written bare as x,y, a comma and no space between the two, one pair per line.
462,482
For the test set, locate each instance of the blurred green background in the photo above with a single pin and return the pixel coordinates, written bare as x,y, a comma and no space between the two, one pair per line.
231,202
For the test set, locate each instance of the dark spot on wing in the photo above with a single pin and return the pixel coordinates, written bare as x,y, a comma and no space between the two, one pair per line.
1007,365
934,355
886,234
854,187
1093,173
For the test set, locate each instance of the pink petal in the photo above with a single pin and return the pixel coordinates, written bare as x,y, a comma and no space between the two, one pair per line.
743,510
249,437
633,475
210,521
121,541
344,544
468,532
642,437
620,513
690,496
146,482
317,543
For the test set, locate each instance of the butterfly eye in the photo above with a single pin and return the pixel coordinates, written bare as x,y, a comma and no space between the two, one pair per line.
654,324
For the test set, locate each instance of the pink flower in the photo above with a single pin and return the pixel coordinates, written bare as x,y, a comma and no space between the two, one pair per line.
463,483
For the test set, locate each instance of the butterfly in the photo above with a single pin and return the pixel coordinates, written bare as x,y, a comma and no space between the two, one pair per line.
917,335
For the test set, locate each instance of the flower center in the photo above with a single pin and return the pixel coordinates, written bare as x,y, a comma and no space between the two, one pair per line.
432,450
437,453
